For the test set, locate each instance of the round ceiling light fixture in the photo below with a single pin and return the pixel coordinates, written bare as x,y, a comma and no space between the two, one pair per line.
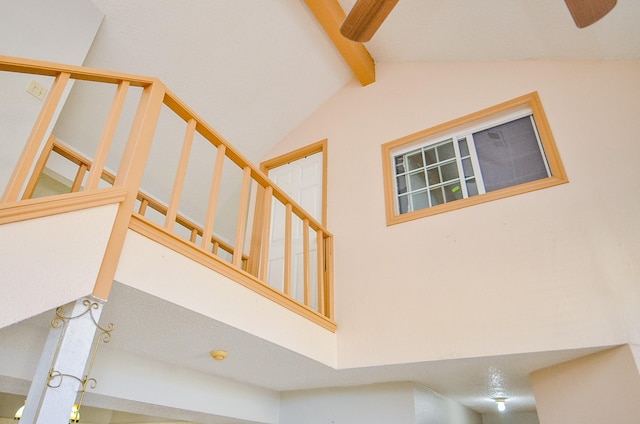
218,355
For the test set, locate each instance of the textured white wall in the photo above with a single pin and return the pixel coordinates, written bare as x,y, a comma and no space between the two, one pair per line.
374,404
511,418
552,269
122,374
387,403
433,408
599,388
69,247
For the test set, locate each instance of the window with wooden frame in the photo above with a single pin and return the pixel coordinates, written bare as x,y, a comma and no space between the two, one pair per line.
500,151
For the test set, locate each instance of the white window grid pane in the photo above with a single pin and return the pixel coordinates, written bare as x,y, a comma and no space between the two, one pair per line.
409,197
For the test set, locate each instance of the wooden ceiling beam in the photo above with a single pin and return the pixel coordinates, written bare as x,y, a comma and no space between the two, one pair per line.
330,15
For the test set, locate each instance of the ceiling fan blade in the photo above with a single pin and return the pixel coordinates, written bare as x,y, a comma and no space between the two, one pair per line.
586,12
365,18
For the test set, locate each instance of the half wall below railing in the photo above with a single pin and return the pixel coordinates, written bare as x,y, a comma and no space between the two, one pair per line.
276,248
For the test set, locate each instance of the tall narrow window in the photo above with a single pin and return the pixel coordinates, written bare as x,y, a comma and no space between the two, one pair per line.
494,153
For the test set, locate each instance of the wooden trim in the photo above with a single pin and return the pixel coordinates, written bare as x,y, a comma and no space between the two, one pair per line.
532,101
61,203
321,146
242,216
479,199
185,248
130,172
547,139
178,182
207,232
104,145
32,146
330,15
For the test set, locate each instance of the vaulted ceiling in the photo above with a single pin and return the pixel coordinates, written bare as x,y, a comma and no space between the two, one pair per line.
256,69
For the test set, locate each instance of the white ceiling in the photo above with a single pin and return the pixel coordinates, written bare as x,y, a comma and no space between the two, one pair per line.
256,69
461,30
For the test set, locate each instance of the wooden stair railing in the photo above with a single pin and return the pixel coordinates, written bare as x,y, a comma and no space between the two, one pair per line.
250,270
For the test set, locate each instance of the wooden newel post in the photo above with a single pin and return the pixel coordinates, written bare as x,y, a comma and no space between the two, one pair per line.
129,176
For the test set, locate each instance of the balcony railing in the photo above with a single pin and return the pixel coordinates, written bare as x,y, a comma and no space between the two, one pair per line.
293,268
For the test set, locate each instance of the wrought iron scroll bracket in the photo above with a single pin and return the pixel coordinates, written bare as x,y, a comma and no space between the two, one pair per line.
55,378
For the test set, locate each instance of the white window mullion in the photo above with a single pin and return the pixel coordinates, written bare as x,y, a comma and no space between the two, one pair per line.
542,152
463,180
476,165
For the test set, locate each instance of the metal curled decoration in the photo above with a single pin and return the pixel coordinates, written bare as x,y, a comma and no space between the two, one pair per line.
61,319
56,374
53,374
55,378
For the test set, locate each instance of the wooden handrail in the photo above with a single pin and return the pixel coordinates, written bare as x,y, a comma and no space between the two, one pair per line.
38,67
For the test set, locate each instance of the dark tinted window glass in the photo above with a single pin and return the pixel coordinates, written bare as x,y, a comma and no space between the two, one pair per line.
509,155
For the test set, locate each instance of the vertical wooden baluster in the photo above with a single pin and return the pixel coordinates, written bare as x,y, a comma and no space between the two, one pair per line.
194,235
307,261
77,181
181,172
321,272
216,246
39,168
253,262
329,279
213,198
242,216
30,151
287,250
266,234
143,207
107,136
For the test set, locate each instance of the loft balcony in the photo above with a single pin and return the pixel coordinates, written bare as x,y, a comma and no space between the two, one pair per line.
154,171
